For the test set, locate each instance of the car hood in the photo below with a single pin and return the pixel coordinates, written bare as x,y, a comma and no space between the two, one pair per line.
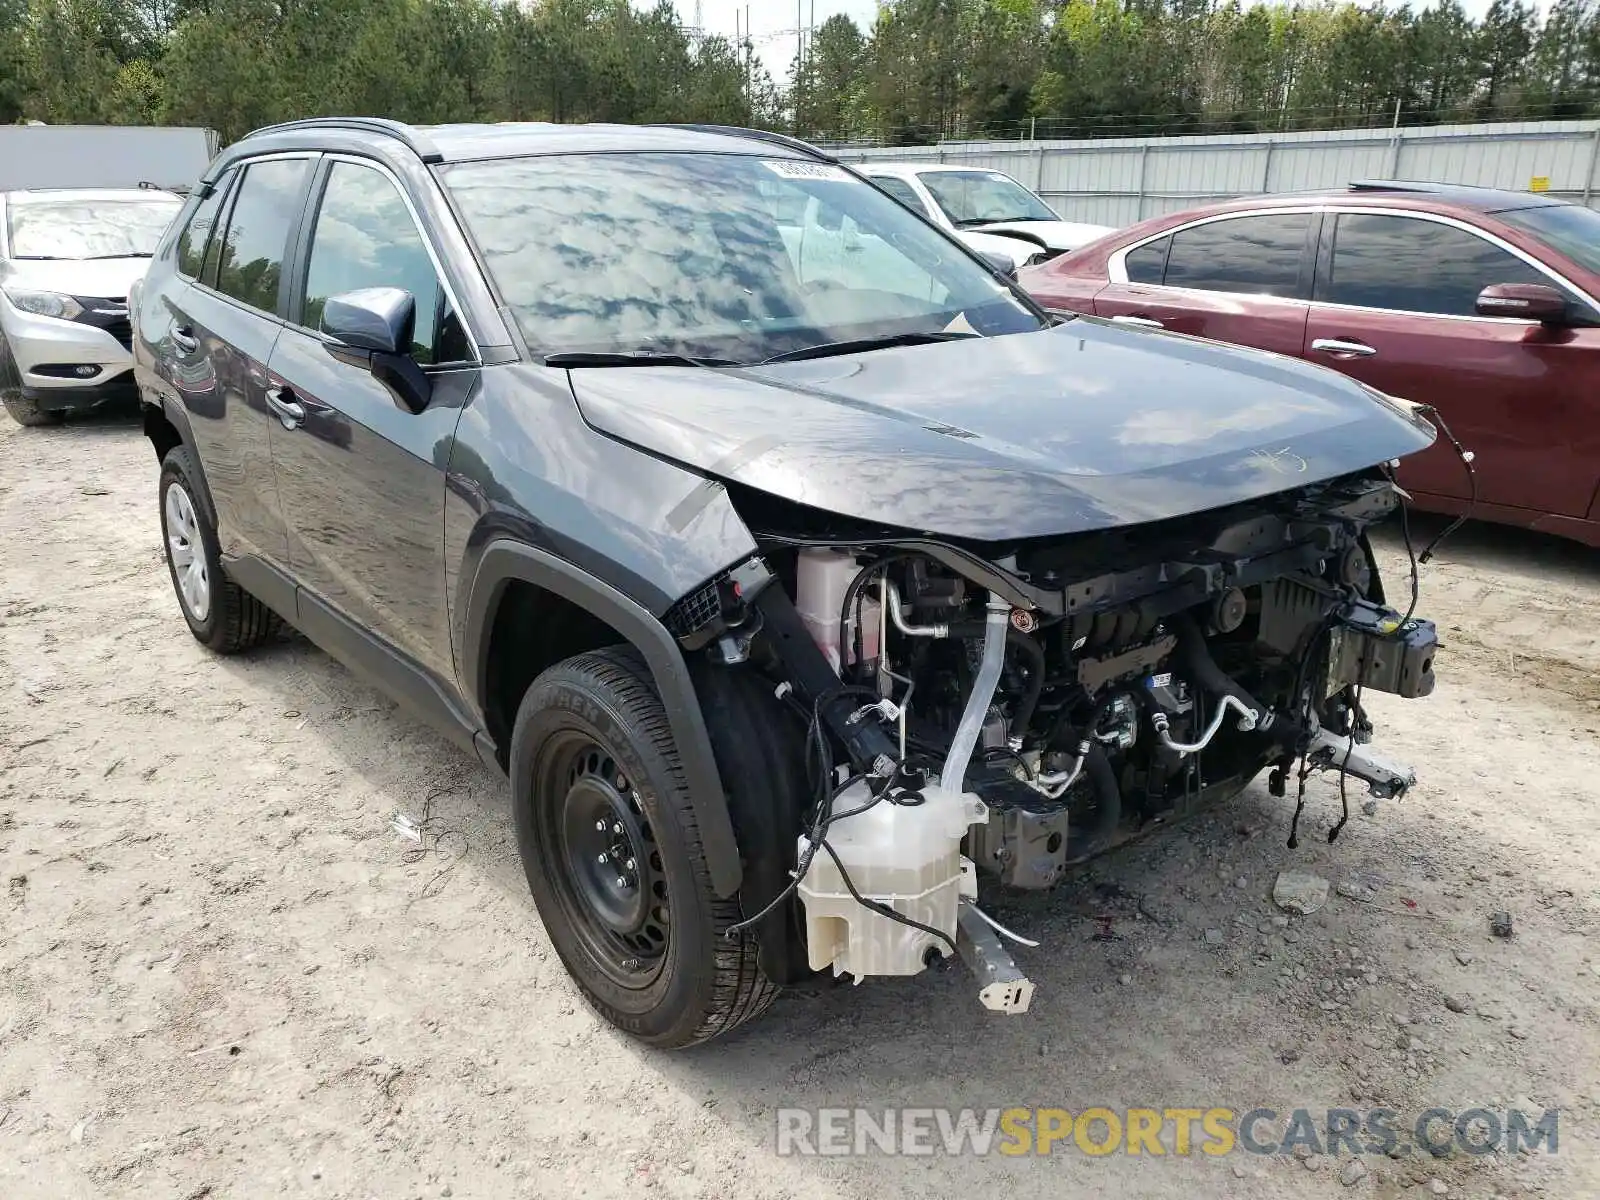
1081,427
103,278
1016,249
1057,235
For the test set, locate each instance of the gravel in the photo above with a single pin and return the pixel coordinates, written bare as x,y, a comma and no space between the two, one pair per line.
158,902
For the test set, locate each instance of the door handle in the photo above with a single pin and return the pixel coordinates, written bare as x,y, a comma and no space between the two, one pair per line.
1343,348
281,401
183,338
1142,322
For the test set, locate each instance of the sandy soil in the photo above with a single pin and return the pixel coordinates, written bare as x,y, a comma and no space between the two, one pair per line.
222,973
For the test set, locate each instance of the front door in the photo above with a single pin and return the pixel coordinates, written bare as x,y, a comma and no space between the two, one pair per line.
363,478
1395,307
1239,278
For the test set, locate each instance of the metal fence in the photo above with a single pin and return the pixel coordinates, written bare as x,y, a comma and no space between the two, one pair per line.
1117,181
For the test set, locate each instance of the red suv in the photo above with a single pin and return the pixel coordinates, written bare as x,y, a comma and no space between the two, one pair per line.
1479,302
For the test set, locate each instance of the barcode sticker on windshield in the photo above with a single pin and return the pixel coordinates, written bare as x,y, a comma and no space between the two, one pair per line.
790,168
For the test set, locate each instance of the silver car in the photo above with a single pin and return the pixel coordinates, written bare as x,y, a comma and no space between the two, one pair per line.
67,260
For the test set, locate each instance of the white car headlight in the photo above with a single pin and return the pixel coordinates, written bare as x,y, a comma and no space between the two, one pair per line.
44,304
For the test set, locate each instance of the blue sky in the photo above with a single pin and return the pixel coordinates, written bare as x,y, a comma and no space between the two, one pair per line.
771,17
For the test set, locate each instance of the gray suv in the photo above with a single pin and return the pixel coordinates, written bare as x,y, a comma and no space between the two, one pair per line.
802,589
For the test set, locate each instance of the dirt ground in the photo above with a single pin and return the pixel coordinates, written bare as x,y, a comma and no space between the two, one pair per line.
222,973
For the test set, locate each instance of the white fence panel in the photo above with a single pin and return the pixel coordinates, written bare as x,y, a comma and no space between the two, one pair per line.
1117,181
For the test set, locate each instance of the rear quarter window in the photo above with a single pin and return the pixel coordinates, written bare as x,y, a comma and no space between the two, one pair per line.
196,233
1148,263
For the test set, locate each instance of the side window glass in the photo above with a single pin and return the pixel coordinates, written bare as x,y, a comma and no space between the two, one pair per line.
1416,266
365,238
213,248
1148,264
901,191
251,262
196,235
1253,255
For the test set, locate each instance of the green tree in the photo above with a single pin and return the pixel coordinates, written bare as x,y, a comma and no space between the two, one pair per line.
221,69
70,59
1504,43
827,86
927,69
1564,74
13,59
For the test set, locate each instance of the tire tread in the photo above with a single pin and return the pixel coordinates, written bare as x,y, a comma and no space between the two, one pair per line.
242,621
740,990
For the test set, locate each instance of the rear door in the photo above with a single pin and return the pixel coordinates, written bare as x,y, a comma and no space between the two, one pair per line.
218,334
1242,277
362,477
1395,307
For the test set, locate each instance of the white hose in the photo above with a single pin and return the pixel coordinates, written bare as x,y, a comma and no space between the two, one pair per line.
1001,929
953,777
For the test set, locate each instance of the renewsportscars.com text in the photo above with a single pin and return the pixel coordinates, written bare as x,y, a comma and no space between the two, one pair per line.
1211,1131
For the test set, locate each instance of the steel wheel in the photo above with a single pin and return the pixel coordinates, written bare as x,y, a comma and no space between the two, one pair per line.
186,552
608,867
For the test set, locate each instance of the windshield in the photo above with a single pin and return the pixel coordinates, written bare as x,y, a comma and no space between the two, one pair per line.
1567,229
716,256
81,229
979,197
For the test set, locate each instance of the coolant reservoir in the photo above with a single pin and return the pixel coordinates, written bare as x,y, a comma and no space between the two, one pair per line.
906,857
822,577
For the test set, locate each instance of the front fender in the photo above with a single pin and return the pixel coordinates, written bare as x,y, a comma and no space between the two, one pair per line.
504,560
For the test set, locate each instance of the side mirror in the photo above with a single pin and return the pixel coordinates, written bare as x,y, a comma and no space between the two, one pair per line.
373,327
380,319
1530,301
1004,264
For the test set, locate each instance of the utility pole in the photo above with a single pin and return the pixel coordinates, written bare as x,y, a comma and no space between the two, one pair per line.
799,68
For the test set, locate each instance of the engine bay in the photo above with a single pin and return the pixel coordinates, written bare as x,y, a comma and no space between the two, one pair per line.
1007,712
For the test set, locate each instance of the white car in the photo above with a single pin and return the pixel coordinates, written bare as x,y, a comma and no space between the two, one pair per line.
67,260
989,210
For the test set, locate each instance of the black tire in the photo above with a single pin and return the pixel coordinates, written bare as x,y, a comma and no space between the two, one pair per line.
23,411
233,620
592,746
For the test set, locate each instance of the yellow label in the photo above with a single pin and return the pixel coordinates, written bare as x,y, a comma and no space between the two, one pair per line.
1539,183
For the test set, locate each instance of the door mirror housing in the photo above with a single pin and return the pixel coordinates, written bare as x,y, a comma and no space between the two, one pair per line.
1004,264
1529,301
373,327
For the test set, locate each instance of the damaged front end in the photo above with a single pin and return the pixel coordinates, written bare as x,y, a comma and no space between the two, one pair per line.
1005,711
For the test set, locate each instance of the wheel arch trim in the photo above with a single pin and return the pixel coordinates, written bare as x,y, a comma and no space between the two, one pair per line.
175,416
505,560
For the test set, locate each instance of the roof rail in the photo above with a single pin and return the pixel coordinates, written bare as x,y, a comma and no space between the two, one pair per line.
414,141
759,135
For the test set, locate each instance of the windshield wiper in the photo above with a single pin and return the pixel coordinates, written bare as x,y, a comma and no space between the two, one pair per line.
972,222
859,345
105,257
644,358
